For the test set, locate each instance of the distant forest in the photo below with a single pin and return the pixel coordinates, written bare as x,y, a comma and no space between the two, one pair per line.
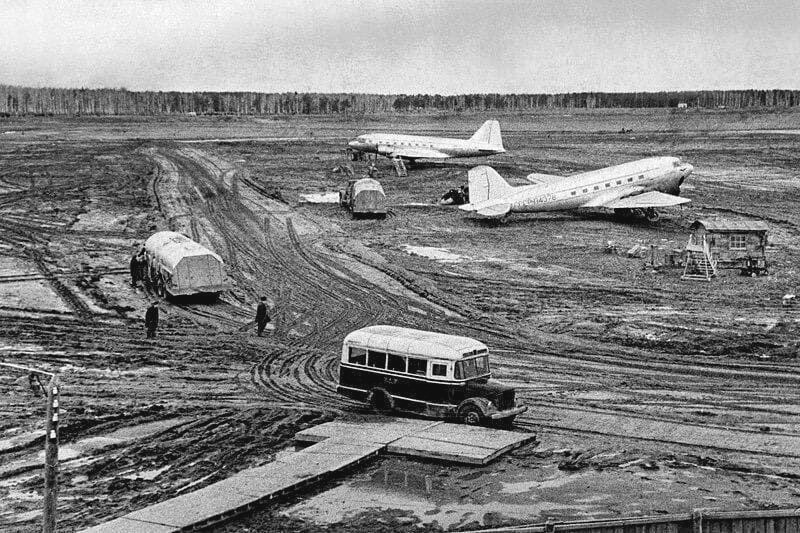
45,101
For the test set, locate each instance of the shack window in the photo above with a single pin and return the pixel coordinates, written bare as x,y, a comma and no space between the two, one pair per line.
396,363
438,369
417,366
738,242
376,359
357,356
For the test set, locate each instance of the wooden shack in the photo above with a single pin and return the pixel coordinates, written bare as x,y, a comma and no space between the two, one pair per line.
738,244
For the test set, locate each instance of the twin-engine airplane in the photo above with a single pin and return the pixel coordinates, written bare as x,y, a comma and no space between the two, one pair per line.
637,187
486,141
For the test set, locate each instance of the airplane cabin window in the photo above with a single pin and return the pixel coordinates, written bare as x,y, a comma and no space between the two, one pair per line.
573,193
630,179
585,190
597,187
641,177
608,185
619,182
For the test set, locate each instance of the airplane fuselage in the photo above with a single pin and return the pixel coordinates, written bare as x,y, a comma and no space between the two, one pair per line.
388,143
662,174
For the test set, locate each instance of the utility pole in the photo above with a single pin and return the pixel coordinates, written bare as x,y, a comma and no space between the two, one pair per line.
51,442
51,458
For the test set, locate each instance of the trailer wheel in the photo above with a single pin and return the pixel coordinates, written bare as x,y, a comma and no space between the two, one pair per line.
471,415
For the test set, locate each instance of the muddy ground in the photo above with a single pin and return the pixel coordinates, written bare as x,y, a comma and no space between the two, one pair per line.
581,333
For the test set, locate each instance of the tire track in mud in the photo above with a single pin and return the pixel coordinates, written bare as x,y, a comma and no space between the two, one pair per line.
301,371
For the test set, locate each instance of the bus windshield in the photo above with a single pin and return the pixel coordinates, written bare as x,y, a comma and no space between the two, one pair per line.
472,368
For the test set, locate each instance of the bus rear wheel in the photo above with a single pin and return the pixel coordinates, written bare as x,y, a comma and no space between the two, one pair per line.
471,415
380,401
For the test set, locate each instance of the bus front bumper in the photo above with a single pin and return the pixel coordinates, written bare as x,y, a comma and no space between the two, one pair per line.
508,412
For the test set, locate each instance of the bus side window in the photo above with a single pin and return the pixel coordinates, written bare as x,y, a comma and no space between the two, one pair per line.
438,370
417,366
396,363
459,370
358,356
376,359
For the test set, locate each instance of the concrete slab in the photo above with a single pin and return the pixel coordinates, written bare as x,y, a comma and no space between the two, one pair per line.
475,436
444,451
125,525
195,507
378,432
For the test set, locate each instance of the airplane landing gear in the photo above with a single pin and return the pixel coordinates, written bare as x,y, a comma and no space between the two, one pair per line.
651,214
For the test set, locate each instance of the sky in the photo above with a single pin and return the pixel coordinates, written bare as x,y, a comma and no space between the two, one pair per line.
402,46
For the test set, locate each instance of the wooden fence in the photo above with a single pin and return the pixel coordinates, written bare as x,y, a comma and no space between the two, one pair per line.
698,521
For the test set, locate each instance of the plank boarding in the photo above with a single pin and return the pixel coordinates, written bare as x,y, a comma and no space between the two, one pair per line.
456,443
335,446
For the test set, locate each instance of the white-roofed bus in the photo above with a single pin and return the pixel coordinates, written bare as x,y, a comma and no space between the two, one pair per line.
431,374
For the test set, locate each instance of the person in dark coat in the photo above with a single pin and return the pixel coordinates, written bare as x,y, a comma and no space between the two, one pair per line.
135,269
262,318
151,320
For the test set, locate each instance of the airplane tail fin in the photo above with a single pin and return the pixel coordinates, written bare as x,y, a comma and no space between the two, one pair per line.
486,184
489,133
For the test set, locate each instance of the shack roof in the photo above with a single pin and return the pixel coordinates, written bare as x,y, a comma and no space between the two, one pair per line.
413,341
724,225
170,247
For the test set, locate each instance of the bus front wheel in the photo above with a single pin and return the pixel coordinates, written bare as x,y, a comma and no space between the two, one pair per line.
471,415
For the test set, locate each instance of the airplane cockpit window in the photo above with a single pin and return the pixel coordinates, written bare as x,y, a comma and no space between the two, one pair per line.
676,164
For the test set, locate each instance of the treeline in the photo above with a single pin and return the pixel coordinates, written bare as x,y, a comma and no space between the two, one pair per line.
46,101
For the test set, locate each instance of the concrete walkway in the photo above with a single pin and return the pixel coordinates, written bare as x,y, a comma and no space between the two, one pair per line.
338,446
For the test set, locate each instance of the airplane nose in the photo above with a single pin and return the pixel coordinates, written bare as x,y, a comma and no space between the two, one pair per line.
687,169
353,144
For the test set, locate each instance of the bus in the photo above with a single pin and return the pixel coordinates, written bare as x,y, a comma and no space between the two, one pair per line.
430,374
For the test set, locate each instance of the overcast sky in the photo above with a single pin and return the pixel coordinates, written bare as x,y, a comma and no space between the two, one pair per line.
402,46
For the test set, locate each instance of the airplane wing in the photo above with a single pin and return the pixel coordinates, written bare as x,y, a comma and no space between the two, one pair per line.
541,179
490,211
644,200
417,153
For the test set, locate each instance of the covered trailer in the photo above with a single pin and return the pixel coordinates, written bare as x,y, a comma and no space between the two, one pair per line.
179,266
364,197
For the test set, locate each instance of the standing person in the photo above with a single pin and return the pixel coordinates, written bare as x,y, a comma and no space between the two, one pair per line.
135,269
151,320
261,316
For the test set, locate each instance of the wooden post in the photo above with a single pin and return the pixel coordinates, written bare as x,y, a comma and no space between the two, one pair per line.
51,458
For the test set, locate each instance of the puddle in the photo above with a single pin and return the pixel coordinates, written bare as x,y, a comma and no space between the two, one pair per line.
321,198
421,489
431,252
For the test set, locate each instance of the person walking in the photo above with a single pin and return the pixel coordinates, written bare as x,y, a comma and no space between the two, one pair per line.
151,320
262,318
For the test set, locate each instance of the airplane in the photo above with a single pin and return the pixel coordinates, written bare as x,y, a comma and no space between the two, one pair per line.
638,187
486,141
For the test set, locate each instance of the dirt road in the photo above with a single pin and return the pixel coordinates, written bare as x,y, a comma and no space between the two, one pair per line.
578,332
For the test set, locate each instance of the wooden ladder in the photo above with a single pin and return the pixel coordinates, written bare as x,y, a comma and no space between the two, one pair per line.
700,265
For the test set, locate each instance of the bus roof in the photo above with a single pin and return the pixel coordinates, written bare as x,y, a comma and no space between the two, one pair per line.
415,342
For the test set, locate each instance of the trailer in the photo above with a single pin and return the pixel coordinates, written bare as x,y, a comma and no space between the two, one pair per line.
364,198
179,266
